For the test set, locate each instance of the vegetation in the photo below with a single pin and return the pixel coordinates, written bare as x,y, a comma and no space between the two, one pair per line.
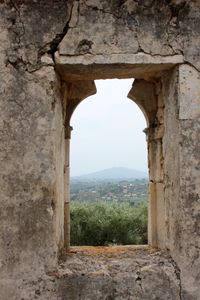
131,191
104,223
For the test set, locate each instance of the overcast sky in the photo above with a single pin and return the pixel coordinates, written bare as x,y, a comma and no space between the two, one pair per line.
108,130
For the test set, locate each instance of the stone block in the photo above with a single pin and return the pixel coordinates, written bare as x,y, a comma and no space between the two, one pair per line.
189,93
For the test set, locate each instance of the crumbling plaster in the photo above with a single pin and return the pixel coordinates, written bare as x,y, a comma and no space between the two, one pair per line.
92,40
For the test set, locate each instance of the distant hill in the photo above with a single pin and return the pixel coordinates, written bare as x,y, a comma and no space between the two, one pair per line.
116,173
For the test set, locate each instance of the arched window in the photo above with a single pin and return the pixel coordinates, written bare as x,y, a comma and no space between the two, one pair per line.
108,148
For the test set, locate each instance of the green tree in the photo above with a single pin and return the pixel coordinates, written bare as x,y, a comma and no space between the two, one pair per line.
101,223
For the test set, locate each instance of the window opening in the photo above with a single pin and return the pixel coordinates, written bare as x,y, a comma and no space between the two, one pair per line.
109,175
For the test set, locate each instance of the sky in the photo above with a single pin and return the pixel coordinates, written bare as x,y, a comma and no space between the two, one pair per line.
108,130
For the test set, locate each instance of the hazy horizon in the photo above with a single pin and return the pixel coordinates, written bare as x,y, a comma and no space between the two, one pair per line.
108,131
119,167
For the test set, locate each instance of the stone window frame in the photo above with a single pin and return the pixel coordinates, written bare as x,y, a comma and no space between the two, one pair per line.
146,92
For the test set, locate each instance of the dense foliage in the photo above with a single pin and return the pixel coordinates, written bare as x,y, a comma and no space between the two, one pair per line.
101,223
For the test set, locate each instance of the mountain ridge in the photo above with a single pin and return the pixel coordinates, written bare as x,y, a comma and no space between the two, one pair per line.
115,173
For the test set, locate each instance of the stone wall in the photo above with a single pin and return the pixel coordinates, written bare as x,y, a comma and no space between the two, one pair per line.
31,152
105,31
47,47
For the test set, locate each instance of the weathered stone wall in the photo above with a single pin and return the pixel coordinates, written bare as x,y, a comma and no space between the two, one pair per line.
118,273
181,169
31,144
87,40
157,28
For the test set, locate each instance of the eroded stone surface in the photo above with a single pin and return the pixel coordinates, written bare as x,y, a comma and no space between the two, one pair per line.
189,102
91,273
31,134
118,273
154,28
87,40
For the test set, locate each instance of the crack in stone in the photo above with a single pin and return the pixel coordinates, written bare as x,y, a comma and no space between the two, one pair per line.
186,62
175,12
17,62
119,53
15,59
52,46
55,43
177,272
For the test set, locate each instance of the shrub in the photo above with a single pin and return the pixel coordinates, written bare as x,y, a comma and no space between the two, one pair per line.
100,223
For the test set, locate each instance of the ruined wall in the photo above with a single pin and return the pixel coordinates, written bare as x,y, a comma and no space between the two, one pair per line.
181,169
93,39
31,145
146,33
189,118
103,31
